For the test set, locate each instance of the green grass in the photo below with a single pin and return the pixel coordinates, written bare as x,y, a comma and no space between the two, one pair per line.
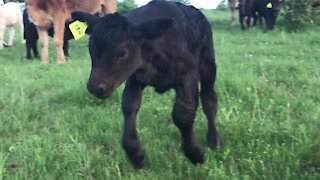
269,108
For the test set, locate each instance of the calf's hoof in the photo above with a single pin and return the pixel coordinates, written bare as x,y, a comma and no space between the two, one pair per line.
137,159
194,154
213,141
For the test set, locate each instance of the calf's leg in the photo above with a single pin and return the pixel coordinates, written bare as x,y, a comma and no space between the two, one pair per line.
43,37
241,20
28,49
131,101
2,28
59,26
248,21
209,98
35,49
11,35
66,47
183,115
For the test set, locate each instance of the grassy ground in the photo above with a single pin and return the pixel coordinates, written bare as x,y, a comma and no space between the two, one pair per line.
268,119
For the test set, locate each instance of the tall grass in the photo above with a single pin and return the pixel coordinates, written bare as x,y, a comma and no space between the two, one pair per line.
269,108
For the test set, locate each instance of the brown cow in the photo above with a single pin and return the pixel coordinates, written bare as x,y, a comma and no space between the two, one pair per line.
48,13
233,5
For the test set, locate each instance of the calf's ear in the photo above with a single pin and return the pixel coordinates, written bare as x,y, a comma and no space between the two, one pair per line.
90,19
154,28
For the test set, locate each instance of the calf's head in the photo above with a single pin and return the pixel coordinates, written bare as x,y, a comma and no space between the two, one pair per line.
114,47
270,10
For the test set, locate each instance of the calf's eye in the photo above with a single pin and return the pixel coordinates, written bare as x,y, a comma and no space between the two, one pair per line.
121,54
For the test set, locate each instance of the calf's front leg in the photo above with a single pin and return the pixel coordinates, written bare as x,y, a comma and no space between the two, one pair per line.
131,101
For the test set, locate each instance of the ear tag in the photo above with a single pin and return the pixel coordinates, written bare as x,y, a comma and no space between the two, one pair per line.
78,29
269,5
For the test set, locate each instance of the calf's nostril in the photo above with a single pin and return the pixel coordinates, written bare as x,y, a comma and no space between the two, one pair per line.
102,88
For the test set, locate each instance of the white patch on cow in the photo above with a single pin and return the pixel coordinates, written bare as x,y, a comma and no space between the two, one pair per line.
32,21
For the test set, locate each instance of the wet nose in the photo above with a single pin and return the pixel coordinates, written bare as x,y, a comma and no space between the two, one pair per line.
98,90
101,89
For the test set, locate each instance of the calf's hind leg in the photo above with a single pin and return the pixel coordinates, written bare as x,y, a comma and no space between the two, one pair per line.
209,100
183,115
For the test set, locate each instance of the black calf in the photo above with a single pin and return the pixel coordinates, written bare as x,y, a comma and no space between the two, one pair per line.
165,45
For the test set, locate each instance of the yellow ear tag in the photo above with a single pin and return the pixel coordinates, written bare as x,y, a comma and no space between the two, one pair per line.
78,29
269,5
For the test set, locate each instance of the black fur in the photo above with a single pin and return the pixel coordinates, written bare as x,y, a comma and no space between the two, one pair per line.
257,9
165,45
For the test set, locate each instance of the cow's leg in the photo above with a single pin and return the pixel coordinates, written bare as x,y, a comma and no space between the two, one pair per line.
66,47
2,29
43,37
59,26
208,95
241,20
21,29
34,48
248,21
255,19
231,13
131,100
109,7
28,49
260,19
183,115
233,19
11,35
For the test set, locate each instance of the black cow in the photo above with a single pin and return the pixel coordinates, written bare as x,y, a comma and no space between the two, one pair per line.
247,11
165,45
31,36
264,9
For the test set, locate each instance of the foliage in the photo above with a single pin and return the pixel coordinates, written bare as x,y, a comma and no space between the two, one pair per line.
126,5
223,5
297,15
268,114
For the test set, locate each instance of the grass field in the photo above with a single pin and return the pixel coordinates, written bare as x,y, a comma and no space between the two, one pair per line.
269,115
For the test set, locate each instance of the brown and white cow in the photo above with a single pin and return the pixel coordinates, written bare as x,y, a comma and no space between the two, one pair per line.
48,13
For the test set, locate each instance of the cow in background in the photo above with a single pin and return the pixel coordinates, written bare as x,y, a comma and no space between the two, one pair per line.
268,10
45,12
247,11
10,14
31,36
233,5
